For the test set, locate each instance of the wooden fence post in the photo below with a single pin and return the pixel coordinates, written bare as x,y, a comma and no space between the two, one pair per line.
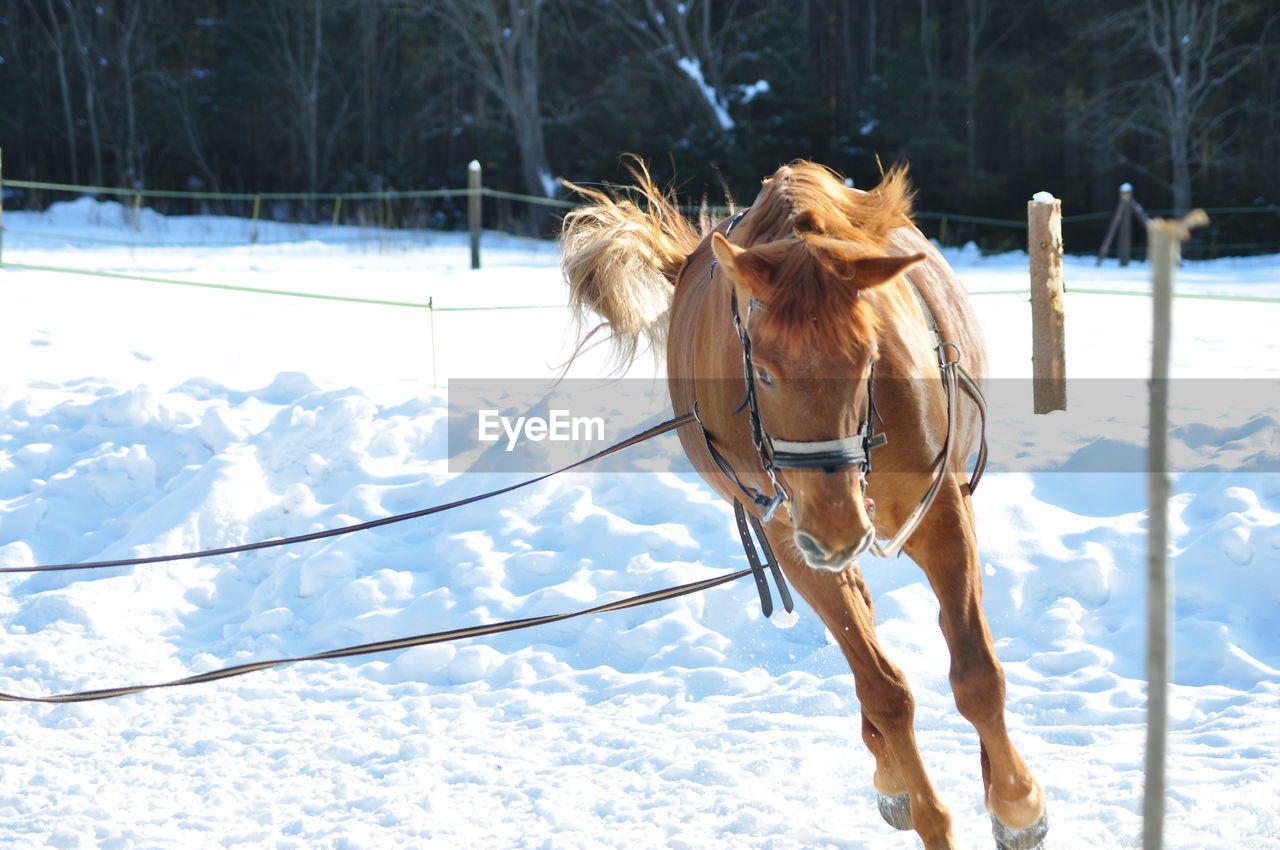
474,210
253,227
1127,209
1048,345
1165,239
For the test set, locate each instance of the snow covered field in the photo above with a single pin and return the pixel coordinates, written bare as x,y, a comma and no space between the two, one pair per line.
141,418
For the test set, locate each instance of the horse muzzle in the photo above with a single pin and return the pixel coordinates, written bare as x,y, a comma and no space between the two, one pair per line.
820,555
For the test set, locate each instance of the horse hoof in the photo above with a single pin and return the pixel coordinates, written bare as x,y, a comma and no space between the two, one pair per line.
1031,838
895,809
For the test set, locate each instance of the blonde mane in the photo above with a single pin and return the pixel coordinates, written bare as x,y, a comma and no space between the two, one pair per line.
809,229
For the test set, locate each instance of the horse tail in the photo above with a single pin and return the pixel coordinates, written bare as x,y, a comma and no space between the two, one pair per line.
621,258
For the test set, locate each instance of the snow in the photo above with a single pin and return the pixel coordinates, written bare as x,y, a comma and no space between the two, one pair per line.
550,183
754,90
692,67
141,418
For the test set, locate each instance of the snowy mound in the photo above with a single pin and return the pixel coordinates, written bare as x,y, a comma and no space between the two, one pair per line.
137,419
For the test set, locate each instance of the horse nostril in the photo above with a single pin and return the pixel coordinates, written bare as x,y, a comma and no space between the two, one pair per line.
810,547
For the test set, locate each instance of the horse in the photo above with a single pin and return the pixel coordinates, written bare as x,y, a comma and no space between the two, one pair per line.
812,332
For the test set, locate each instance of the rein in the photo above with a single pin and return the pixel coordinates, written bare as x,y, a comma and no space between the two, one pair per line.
745,523
656,430
399,643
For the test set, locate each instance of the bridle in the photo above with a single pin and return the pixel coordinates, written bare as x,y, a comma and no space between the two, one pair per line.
842,452
775,453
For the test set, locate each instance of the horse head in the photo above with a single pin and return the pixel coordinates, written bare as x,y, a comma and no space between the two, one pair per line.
809,337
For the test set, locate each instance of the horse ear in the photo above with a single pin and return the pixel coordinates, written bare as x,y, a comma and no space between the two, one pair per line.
726,252
873,271
742,265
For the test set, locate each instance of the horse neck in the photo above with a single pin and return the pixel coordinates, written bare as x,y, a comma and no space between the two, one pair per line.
905,347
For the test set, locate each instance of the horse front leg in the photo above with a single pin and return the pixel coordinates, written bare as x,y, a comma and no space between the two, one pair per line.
907,798
945,547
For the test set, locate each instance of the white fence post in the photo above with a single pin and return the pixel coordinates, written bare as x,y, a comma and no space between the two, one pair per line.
474,210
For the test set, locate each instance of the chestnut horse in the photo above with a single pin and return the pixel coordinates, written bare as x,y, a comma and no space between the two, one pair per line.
810,333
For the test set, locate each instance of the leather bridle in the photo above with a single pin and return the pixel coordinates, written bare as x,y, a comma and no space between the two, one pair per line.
842,452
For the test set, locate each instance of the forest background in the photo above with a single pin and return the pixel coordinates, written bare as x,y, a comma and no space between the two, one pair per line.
988,101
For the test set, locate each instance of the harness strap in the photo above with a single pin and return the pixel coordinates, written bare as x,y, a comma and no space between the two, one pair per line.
909,525
930,321
965,382
726,469
746,524
788,604
970,386
753,558
954,378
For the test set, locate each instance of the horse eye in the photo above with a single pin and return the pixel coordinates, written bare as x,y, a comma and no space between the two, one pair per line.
764,377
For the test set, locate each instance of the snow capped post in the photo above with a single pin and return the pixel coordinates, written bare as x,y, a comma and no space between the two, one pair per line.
1164,238
474,210
1122,224
1048,348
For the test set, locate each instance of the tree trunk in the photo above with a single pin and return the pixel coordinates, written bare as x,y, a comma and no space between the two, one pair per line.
86,52
57,40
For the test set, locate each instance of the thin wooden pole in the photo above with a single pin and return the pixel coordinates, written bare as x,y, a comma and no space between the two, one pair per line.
1164,238
337,210
1125,211
1048,342
253,227
474,210
431,308
1122,212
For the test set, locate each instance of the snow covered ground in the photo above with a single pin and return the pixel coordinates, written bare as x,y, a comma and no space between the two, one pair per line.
141,418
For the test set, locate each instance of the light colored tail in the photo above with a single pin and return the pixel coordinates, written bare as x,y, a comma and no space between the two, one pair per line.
621,259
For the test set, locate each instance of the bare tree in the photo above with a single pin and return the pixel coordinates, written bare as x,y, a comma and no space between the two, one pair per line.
289,38
1191,49
130,39
180,93
52,26
688,43
978,48
499,41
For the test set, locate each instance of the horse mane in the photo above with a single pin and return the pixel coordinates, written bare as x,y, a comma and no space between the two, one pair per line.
809,229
